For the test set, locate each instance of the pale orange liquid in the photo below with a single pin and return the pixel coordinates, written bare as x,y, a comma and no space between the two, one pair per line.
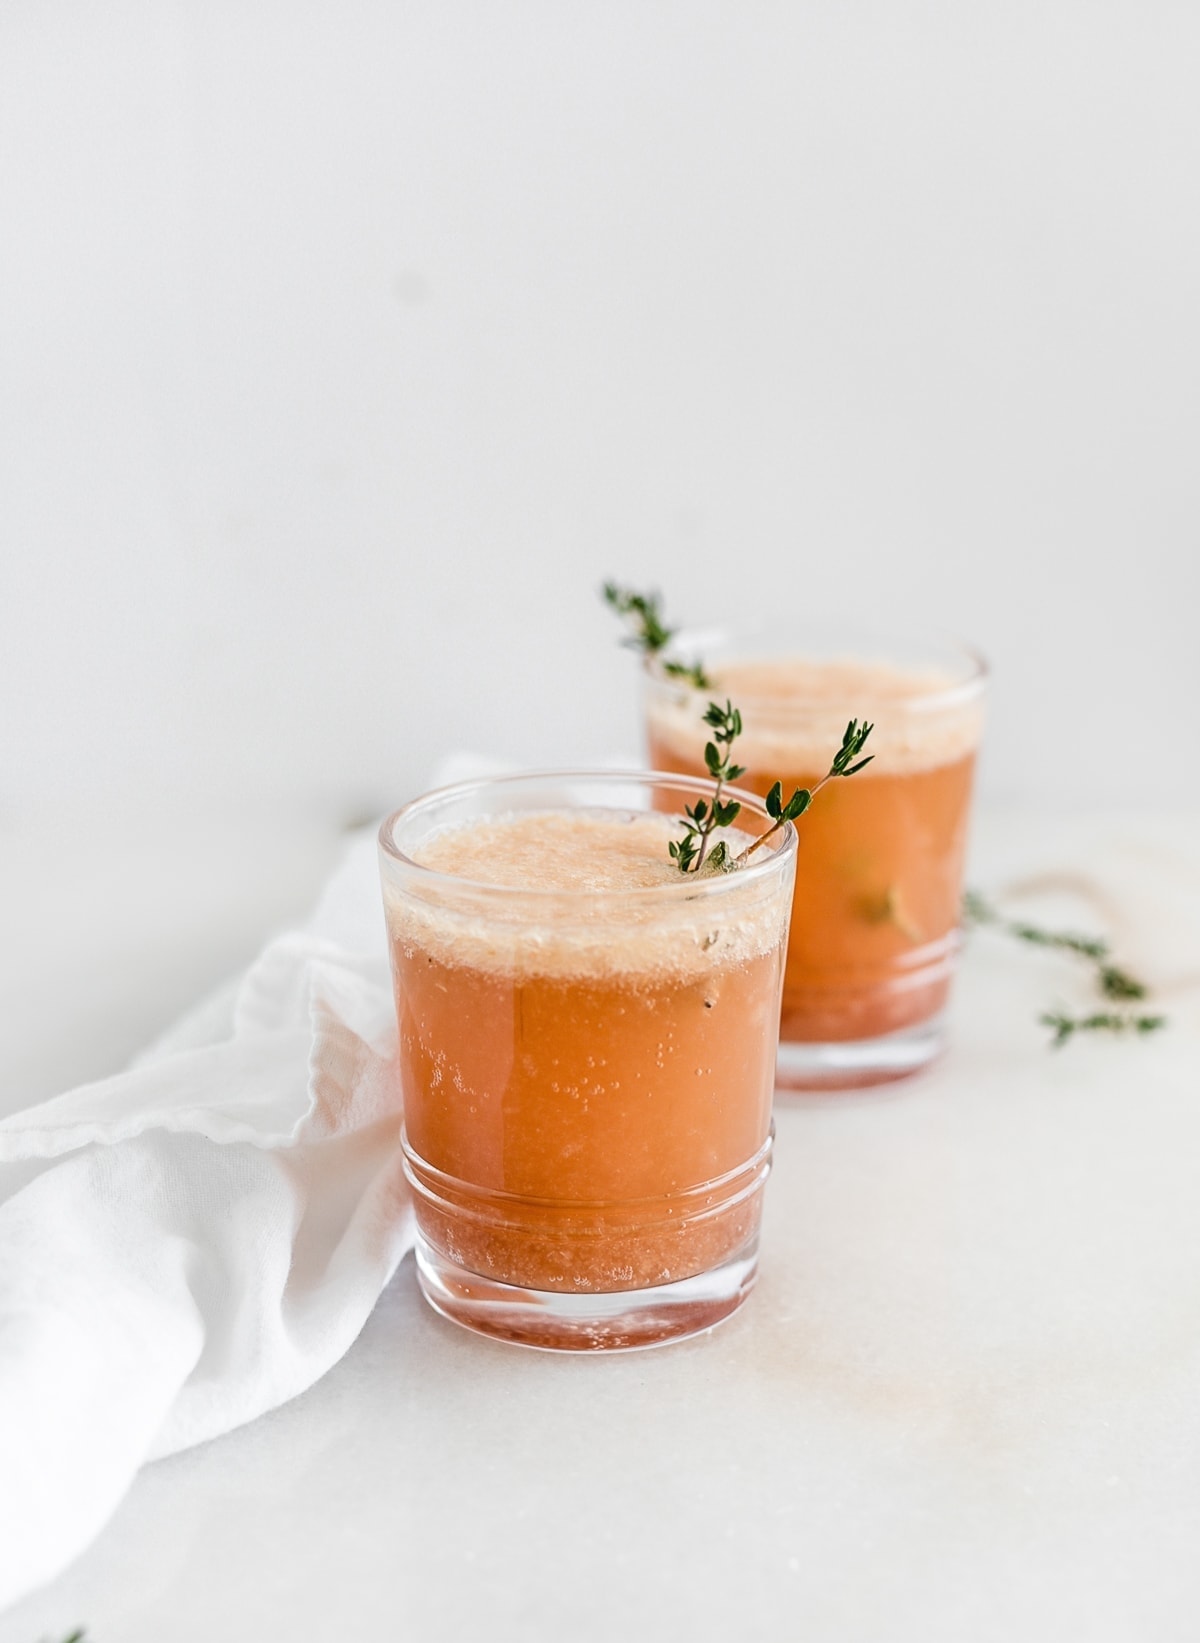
878,885
594,1099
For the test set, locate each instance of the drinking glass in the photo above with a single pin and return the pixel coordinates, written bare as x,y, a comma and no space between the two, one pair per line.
587,1074
875,925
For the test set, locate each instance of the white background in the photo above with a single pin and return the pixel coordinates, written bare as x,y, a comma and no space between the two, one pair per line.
345,349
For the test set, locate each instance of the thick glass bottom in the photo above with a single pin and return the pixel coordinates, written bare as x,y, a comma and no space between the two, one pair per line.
580,1275
857,1064
617,1321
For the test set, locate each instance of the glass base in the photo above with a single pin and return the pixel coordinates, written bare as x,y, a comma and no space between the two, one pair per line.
617,1321
857,1064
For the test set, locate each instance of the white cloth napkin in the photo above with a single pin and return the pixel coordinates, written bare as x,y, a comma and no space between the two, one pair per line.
198,1239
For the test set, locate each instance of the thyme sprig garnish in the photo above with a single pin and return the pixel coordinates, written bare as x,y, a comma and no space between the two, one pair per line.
649,633
642,614
854,739
1112,981
705,816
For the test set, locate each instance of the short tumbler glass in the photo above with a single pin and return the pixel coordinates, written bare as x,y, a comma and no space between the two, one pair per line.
587,1075
875,926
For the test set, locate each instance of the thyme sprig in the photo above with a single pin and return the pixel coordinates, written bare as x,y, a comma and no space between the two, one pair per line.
705,816
1108,1021
648,632
979,910
1112,981
854,739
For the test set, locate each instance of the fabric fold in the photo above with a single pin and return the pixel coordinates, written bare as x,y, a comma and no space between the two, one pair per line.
207,1233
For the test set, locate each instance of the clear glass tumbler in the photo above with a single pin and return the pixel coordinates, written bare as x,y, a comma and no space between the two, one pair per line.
587,1070
875,926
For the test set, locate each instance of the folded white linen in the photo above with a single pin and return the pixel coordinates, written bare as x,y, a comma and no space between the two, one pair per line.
194,1241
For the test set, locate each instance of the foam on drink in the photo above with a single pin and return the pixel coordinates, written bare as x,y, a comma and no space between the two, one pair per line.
794,712
600,896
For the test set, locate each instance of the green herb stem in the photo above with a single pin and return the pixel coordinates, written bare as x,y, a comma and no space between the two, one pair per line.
1065,1026
1112,981
705,816
649,633
853,741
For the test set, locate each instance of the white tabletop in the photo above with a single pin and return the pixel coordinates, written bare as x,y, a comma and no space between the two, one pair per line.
964,1400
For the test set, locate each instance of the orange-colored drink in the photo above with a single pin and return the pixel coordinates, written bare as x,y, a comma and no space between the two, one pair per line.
587,1050
874,929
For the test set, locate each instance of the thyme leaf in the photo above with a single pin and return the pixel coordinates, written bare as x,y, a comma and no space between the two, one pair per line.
692,673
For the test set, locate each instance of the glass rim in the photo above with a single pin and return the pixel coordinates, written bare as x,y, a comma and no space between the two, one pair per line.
952,694
691,886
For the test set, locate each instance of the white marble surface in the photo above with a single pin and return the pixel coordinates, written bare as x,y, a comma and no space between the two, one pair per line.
964,1401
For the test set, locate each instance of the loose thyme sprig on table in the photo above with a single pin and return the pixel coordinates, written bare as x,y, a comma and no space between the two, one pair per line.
1113,982
703,818
648,633
1103,1021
